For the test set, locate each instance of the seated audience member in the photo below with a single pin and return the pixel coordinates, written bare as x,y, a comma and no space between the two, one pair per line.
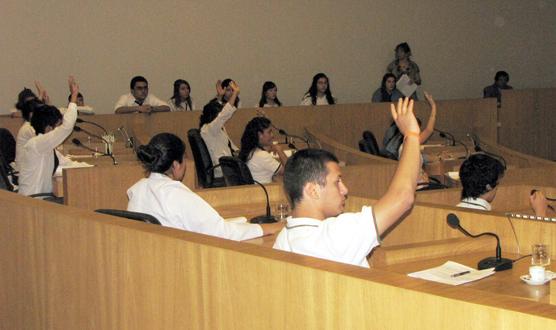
27,95
225,97
181,99
319,227
319,93
387,91
256,147
38,159
269,97
139,99
479,175
165,197
404,65
501,80
393,138
82,109
539,204
212,122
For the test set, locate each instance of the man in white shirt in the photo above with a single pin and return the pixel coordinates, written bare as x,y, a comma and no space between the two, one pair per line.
313,182
479,175
139,99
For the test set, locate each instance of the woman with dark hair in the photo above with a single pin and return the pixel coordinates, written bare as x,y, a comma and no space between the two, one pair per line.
404,65
181,98
164,196
212,122
387,91
225,96
38,159
319,93
269,96
256,144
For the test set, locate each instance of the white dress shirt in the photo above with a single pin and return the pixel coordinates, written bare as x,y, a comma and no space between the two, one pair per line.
262,166
347,238
475,203
320,100
176,206
26,131
216,138
128,100
182,107
36,163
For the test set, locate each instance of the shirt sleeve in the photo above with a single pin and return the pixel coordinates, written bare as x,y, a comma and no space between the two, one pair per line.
122,102
265,160
156,102
306,100
48,141
220,120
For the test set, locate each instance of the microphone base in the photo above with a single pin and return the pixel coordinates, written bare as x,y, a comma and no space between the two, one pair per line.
498,264
263,219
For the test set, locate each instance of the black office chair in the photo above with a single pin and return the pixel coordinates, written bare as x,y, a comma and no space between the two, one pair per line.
368,144
5,183
203,162
7,150
138,216
236,172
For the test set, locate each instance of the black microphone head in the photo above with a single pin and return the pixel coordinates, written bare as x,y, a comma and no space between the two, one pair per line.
79,120
453,220
442,135
282,132
76,142
77,128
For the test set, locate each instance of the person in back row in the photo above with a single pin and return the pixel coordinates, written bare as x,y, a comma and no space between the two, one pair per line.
319,227
164,196
139,99
257,143
181,98
225,94
387,91
269,96
319,93
211,124
501,80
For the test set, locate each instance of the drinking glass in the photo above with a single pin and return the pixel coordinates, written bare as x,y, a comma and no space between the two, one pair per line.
540,255
282,211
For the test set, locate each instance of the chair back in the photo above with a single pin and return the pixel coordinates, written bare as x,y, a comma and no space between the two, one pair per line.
236,172
368,144
201,156
5,183
138,216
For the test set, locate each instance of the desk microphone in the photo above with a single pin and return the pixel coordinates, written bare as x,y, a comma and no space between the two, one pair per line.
283,132
497,262
79,129
79,120
129,139
79,144
447,135
268,217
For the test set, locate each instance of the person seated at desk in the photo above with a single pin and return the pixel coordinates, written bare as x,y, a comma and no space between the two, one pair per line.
181,98
256,147
27,95
165,197
319,93
313,182
224,93
501,80
139,99
269,96
479,175
38,158
387,91
212,122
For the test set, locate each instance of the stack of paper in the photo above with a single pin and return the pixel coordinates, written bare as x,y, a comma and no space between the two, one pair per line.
452,273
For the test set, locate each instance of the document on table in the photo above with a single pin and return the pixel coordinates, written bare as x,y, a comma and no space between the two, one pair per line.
452,273
405,87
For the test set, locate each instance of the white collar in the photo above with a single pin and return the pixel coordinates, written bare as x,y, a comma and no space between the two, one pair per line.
483,204
302,222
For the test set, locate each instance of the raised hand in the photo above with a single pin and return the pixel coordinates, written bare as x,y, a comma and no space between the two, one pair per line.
219,90
404,117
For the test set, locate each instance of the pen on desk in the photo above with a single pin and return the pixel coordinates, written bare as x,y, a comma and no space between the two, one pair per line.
461,274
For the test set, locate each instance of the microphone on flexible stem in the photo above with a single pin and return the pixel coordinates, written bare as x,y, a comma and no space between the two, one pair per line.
79,120
79,129
268,217
129,140
447,135
497,262
79,144
283,132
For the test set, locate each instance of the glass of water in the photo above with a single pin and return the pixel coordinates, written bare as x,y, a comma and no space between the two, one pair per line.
282,211
540,255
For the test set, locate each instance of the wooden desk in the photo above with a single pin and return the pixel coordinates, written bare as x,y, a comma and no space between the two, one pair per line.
505,282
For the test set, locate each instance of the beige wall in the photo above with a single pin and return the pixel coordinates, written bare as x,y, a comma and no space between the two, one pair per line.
458,45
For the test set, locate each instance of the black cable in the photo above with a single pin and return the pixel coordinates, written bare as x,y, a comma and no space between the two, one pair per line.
516,260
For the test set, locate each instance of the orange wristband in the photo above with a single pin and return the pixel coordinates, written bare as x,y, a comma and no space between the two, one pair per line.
408,134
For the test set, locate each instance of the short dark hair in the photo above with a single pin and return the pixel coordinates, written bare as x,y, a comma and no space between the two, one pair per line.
24,99
45,115
479,174
305,166
501,74
79,95
160,153
137,79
